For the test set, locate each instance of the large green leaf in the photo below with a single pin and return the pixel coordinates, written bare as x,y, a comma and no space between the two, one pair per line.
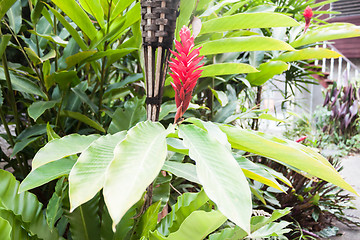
5,229
88,175
285,151
220,174
17,226
308,53
196,226
74,11
247,20
47,173
82,118
226,69
137,161
37,108
23,206
185,205
63,147
267,71
327,32
4,6
240,44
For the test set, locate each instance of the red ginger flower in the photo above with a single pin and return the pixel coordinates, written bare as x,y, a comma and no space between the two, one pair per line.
185,72
301,139
308,13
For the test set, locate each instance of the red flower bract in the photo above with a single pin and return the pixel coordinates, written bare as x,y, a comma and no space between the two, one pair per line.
308,13
185,72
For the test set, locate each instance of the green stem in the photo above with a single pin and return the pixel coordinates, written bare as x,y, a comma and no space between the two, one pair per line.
58,113
103,67
12,96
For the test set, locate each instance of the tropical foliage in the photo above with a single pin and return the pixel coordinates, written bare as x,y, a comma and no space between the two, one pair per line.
76,100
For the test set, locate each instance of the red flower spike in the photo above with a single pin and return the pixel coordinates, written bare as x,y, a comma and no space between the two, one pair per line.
185,70
308,13
301,139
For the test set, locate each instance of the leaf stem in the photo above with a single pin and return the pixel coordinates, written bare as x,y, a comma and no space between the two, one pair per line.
11,94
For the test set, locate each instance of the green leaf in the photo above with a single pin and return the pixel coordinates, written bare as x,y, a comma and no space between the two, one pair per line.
88,175
63,147
121,5
14,17
84,97
5,229
257,173
35,130
240,44
285,151
137,161
51,133
82,118
94,8
226,69
220,175
36,109
267,71
52,38
75,13
47,173
147,221
220,96
54,208
79,57
327,32
196,226
17,226
125,118
308,53
4,7
84,221
247,20
258,222
185,205
36,13
234,233
70,29
64,79
19,146
24,206
270,117
3,43
186,8
183,170
22,84
32,56
272,229
177,145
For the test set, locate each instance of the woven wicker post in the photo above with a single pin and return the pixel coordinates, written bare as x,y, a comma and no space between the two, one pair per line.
158,25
